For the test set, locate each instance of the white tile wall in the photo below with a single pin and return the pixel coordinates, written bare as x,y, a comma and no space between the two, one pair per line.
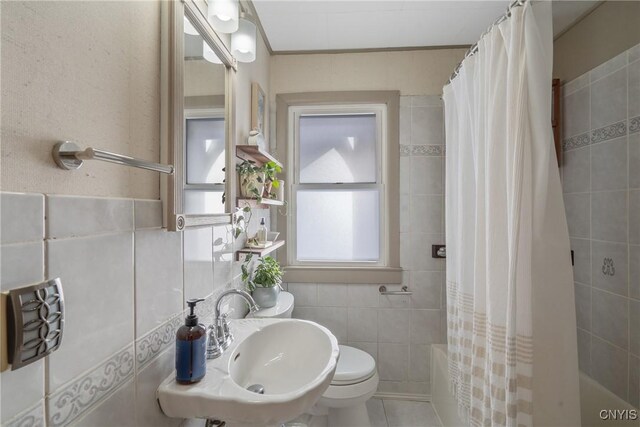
125,281
398,330
600,167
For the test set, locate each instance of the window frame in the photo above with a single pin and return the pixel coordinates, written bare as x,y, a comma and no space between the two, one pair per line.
391,273
293,178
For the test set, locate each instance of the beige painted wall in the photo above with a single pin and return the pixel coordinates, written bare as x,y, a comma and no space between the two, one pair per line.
608,30
417,72
90,72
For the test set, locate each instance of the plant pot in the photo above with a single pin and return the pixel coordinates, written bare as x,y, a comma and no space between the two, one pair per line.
249,182
266,297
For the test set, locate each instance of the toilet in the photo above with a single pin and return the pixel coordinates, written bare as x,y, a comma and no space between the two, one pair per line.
354,382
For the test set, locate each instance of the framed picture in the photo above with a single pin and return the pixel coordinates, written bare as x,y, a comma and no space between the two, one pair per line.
257,107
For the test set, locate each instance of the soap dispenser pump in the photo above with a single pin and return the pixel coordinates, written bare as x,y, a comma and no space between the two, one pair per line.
191,348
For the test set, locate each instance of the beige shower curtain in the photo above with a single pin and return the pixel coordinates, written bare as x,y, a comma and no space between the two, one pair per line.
511,315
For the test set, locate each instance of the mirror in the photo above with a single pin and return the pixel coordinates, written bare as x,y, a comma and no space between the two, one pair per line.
204,126
199,72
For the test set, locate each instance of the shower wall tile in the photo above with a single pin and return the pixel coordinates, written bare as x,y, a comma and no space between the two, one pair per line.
583,306
305,294
420,362
426,175
634,160
634,89
147,213
584,351
609,366
609,99
577,207
576,113
22,217
610,318
609,216
393,361
609,165
362,324
158,276
427,125
609,266
332,295
427,289
198,262
634,381
614,64
394,325
575,170
118,409
634,333
634,217
634,271
148,412
581,260
611,177
363,295
426,214
74,216
98,297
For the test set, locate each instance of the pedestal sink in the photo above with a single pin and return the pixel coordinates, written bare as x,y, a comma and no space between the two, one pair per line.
291,361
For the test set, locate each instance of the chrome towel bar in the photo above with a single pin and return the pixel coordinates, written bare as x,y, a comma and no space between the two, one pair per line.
69,156
403,291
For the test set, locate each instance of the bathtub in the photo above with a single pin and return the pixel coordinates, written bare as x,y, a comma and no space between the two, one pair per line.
593,396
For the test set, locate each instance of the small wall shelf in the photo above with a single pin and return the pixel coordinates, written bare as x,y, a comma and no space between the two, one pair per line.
255,153
259,252
253,203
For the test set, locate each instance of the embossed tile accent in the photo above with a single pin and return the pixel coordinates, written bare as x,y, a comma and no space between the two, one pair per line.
574,142
79,396
422,150
634,124
606,133
157,340
33,417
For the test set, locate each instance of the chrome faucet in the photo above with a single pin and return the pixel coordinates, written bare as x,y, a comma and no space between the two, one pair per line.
219,334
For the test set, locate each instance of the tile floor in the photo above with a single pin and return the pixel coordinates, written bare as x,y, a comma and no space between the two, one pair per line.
385,413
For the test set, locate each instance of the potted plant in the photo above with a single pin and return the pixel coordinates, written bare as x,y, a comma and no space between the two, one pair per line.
264,281
271,169
252,179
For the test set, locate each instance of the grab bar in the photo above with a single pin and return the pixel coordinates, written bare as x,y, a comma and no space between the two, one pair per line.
69,156
403,291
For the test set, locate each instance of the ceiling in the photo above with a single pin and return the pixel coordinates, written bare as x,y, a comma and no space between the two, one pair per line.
321,25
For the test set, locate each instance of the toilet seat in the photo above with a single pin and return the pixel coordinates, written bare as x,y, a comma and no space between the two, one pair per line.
354,366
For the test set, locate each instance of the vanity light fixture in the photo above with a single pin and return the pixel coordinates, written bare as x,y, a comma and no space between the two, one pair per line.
243,41
209,54
223,15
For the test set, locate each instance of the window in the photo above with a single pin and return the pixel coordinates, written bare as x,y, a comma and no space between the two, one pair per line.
338,190
205,161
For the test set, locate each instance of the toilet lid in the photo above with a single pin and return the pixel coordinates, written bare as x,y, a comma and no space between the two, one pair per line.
284,304
354,366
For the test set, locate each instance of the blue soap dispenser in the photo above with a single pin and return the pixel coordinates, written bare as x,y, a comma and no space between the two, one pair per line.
191,348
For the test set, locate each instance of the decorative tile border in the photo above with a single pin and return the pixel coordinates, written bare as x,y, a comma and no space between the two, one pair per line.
634,124
86,391
33,417
422,150
574,142
605,133
152,344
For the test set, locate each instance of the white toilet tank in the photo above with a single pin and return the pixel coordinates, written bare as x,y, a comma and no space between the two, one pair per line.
282,309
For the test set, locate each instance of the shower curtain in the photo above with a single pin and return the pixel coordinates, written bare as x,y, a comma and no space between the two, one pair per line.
510,307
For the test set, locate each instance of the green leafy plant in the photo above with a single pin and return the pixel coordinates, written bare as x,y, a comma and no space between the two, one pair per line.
271,169
250,173
241,220
267,274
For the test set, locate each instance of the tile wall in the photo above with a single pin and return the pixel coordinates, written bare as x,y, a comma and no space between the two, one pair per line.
397,330
125,281
601,182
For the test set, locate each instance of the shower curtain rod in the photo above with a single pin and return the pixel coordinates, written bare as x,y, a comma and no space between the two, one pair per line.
474,48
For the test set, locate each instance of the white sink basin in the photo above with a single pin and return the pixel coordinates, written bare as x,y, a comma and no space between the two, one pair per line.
294,360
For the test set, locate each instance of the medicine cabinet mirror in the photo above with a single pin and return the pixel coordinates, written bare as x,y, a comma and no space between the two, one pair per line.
198,73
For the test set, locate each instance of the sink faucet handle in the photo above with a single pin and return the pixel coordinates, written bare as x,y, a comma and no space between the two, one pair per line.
213,345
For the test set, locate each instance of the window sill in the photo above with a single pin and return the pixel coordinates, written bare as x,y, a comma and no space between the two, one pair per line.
313,274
